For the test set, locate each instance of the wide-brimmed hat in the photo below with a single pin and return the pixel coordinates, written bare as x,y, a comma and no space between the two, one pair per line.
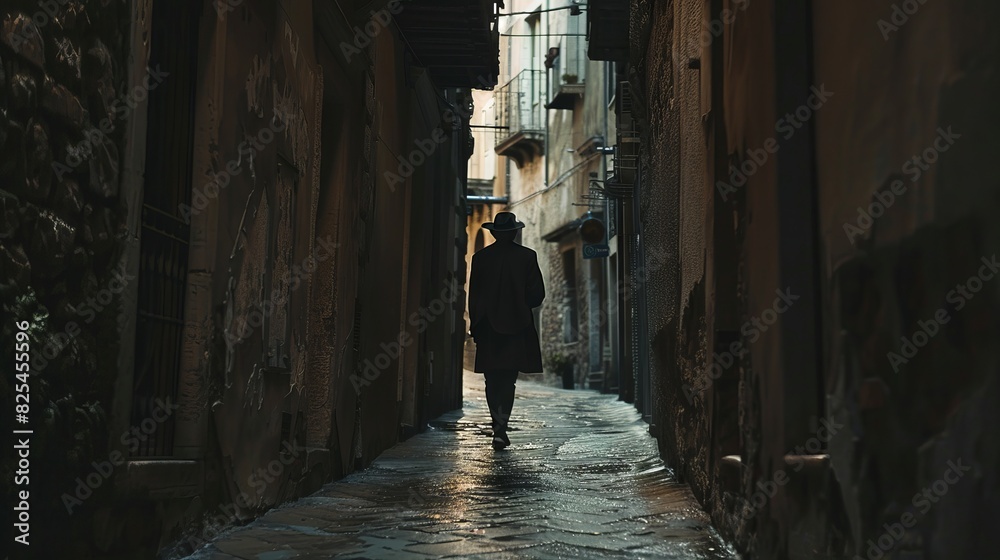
504,221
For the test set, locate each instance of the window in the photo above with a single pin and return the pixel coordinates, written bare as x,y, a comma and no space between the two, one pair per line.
533,58
533,46
163,252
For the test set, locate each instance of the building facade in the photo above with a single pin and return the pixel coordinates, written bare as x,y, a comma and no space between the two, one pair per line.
813,345
548,126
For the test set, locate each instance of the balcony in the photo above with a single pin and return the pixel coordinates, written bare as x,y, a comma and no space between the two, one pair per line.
620,181
521,118
480,187
607,27
568,73
455,40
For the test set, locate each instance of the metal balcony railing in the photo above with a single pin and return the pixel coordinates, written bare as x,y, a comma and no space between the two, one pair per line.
480,187
621,179
520,116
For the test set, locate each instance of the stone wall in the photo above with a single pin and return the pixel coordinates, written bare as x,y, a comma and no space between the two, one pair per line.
63,107
553,311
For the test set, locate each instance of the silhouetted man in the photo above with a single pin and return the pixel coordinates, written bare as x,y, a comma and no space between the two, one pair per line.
505,285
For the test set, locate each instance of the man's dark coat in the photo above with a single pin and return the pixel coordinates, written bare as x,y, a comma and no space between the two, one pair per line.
505,285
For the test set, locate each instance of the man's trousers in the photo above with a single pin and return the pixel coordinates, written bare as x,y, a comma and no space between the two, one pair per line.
500,397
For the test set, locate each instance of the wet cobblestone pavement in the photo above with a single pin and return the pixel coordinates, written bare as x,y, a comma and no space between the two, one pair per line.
581,479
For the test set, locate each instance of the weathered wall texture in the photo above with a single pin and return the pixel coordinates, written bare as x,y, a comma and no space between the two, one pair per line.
817,437
257,395
373,329
651,33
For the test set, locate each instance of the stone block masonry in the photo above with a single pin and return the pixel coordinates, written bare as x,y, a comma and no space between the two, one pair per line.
62,70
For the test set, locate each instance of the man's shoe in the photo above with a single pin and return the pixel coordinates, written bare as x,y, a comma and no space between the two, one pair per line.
503,435
499,443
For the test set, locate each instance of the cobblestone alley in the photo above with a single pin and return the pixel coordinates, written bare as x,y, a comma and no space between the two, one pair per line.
582,479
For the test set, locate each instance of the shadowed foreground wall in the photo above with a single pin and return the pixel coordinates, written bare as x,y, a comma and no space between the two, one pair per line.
245,186
66,103
819,436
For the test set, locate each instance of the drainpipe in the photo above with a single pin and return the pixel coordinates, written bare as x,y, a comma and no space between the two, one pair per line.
545,101
606,263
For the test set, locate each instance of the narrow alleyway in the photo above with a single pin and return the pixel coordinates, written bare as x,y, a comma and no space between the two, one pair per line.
582,479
